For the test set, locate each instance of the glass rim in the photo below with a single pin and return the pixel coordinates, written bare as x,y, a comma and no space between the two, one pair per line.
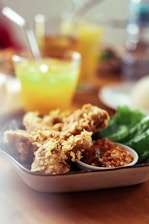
67,56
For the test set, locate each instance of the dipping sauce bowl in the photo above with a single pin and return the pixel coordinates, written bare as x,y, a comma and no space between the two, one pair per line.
129,152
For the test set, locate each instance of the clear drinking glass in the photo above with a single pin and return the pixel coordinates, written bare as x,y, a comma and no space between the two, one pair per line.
60,33
48,83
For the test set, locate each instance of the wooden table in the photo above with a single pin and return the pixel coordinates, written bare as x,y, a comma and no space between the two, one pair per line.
21,205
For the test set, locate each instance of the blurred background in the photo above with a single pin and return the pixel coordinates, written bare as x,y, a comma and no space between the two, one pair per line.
112,14
124,51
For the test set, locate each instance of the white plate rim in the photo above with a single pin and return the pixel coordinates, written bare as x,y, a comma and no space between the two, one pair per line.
111,95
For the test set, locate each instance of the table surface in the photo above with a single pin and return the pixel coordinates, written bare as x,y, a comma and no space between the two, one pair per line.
19,204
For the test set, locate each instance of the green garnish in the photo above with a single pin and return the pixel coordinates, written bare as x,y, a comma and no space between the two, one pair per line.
130,127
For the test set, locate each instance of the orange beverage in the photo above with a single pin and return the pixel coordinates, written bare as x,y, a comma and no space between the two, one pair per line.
89,38
54,45
51,41
56,35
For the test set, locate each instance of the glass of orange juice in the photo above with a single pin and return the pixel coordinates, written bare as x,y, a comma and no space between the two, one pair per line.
89,36
49,83
57,34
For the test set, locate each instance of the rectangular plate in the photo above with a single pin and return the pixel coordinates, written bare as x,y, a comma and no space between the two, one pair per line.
84,181
79,180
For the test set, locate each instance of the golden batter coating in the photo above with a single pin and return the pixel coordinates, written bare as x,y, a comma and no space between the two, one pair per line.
58,138
89,118
55,154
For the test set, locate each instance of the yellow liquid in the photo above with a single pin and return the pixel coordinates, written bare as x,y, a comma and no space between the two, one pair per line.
48,85
89,43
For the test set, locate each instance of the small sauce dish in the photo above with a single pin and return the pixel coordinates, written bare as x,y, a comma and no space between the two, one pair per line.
87,167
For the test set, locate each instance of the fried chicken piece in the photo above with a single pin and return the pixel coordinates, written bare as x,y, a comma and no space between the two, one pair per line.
22,144
41,136
90,118
54,120
49,159
53,164
54,156
33,122
19,145
76,144
55,140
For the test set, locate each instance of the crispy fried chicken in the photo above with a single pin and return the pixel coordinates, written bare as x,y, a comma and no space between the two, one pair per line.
56,139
